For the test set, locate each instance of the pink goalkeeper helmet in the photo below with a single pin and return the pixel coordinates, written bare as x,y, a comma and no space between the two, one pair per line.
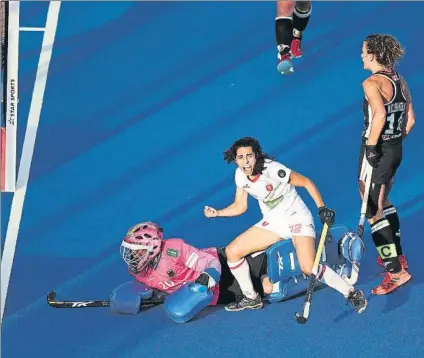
141,245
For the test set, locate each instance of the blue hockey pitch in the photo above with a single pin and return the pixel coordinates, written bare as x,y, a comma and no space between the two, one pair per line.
140,102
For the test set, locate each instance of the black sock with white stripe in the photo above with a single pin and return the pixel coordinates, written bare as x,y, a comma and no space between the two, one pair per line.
384,241
283,34
393,218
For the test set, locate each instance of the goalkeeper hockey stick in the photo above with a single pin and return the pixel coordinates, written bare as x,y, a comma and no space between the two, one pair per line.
93,303
302,318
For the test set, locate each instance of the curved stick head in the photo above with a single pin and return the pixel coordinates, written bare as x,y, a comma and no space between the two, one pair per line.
301,319
51,296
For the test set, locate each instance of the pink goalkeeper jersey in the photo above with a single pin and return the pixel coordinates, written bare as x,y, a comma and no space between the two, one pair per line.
179,264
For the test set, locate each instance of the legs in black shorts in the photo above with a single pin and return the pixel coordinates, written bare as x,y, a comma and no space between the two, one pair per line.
229,288
380,214
382,176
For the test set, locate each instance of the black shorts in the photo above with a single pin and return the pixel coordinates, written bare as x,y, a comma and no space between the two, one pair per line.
229,288
391,157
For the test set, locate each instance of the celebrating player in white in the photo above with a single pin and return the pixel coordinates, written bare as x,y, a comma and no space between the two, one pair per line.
285,216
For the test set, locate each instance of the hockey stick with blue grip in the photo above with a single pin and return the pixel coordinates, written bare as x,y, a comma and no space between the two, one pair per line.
302,318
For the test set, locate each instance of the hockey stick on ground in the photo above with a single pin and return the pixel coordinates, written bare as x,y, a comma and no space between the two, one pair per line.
86,304
303,317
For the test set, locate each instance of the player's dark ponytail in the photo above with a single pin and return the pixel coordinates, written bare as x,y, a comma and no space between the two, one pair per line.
230,153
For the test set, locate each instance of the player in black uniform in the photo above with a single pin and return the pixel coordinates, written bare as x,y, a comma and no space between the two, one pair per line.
389,117
290,23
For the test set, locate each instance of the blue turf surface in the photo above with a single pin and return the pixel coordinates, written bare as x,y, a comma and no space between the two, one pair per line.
141,100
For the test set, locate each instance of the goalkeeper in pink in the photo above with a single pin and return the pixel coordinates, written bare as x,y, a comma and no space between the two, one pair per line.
167,265
189,278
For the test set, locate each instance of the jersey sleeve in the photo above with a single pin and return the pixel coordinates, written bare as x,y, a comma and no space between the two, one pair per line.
279,172
199,260
238,178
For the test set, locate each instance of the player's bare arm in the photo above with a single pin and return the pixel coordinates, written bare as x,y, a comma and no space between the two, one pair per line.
299,180
410,118
326,215
372,91
239,206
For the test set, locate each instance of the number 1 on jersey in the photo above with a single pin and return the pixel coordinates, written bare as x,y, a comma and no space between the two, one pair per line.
391,120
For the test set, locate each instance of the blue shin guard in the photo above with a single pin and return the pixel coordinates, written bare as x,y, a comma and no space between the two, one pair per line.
126,298
187,301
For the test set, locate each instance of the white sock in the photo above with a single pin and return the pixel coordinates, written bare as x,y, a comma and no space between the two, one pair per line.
332,279
240,271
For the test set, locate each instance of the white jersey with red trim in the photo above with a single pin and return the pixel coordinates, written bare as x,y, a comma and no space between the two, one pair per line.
271,188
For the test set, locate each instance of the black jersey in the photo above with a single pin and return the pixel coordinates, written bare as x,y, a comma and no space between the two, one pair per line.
396,109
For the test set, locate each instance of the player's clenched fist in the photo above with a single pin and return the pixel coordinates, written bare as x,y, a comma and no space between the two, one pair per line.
210,212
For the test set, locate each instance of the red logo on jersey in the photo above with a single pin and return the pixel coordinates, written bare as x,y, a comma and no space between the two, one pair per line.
269,187
265,223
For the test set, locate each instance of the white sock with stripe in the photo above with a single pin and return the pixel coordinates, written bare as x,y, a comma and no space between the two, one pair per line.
332,279
241,272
